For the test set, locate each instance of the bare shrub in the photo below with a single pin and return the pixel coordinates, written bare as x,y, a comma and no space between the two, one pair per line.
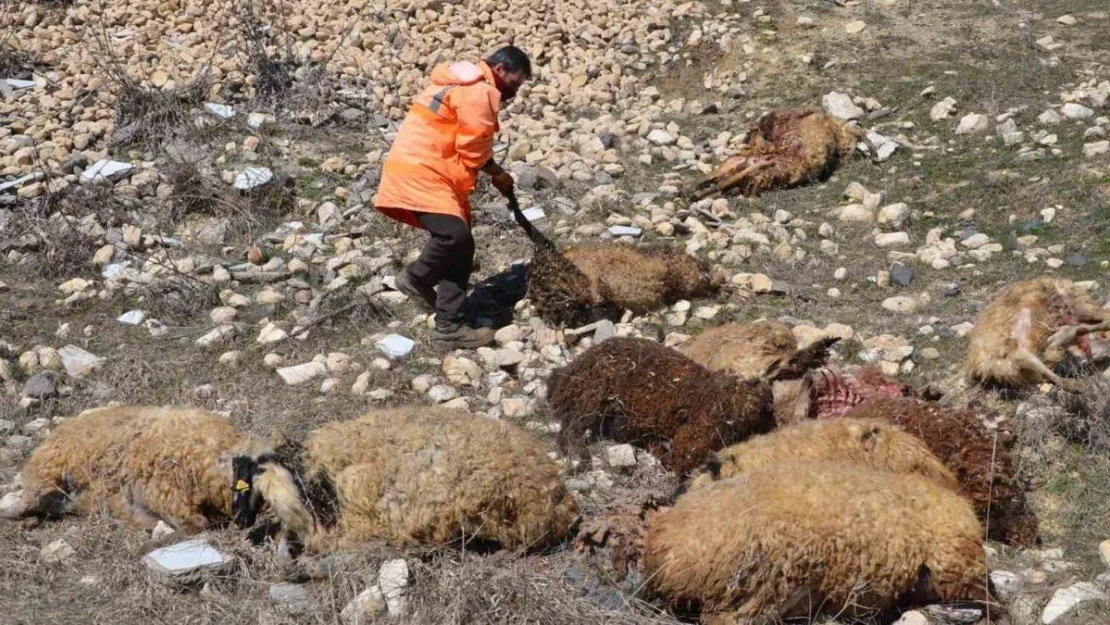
1046,422
14,63
269,56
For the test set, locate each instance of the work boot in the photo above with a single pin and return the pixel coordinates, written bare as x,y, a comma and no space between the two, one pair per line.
459,336
427,295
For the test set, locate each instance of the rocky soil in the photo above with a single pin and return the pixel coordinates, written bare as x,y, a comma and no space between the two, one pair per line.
185,217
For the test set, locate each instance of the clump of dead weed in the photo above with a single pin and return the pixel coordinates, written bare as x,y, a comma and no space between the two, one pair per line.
1046,423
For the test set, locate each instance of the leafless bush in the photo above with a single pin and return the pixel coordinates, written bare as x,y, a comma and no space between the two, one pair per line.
1077,418
14,63
269,53
149,116
196,191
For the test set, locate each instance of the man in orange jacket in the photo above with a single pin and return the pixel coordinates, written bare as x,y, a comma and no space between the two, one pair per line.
432,168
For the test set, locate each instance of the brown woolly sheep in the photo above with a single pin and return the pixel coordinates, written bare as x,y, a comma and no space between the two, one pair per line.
1027,330
418,475
869,443
962,441
811,538
140,463
638,391
608,278
784,149
764,350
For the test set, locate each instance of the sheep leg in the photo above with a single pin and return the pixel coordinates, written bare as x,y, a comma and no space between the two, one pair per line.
51,503
1067,336
1029,361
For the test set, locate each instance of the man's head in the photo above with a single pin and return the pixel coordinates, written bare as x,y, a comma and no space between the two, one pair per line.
511,67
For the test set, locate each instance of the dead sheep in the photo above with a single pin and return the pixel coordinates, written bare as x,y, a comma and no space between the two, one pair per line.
803,539
417,475
141,464
638,391
986,471
784,149
869,443
602,280
1029,328
764,350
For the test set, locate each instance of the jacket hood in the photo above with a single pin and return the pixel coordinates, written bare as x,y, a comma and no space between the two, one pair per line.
461,73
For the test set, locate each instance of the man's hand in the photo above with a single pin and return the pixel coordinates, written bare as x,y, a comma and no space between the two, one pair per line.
503,182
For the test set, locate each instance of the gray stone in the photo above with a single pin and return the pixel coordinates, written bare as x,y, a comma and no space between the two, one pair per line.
1007,584
973,123
625,231
901,274
841,105
12,505
77,361
186,558
605,331
41,385
441,393
661,137
1074,110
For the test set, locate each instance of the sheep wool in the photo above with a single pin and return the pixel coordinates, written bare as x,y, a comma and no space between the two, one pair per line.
796,540
140,463
420,475
640,392
983,466
858,442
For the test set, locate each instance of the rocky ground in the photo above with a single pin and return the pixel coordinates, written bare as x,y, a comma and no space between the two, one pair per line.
184,218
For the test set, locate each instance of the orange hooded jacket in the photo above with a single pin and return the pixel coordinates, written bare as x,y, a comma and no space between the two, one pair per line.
445,139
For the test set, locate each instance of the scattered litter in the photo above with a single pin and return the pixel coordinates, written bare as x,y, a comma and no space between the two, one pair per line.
533,214
625,231
132,318
222,111
106,169
15,83
395,345
11,184
187,557
252,178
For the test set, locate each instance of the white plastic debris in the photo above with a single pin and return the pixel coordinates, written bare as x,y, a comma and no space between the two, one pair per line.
222,111
106,169
395,345
252,178
533,214
11,184
16,83
624,231
132,317
186,557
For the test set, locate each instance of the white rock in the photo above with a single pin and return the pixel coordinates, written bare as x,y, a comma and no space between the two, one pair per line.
161,530
106,170
884,146
271,333
894,214
913,617
253,177
1049,118
187,557
1006,583
441,393
661,137
892,239
132,317
842,106
395,346
516,407
12,506
299,374
462,371
363,608
1104,551
975,241
1074,110
393,580
973,123
1098,148
222,111
217,336
900,304
856,213
223,315
57,551
1067,599
76,285
77,361
621,456
943,109
255,120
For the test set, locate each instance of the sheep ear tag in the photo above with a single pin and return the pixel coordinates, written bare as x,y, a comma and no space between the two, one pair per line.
242,486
